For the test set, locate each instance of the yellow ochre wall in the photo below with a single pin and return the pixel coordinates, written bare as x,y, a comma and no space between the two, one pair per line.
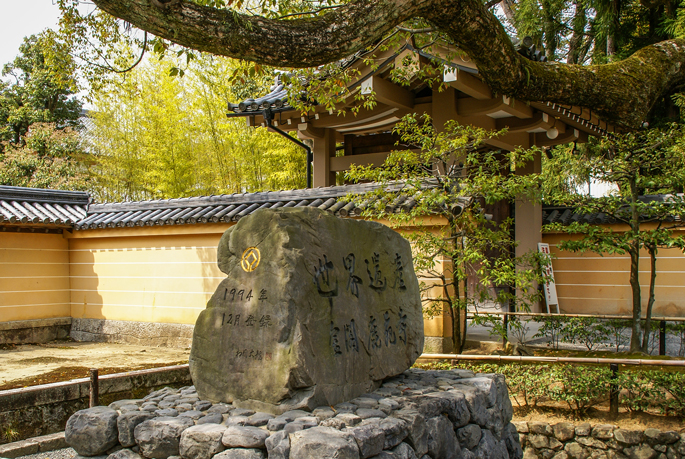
591,284
34,276
149,274
155,274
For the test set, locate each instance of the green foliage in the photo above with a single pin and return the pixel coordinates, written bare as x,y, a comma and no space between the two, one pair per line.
588,331
449,181
671,387
42,89
678,329
39,118
526,382
552,328
155,136
615,329
580,387
516,327
638,163
637,396
49,158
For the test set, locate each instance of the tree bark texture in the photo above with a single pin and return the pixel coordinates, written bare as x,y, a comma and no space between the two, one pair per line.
634,252
622,92
652,248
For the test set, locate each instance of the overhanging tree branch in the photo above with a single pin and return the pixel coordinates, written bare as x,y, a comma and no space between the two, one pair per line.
623,92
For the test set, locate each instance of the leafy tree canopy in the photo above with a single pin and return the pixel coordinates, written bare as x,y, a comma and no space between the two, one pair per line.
623,56
157,136
39,117
41,88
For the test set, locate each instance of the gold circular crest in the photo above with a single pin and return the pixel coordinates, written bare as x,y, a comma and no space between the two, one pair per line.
250,259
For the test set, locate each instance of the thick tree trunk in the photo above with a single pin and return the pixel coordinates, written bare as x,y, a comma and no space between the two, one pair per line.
623,92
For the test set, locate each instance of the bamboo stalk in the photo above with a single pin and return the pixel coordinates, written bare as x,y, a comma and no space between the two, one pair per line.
532,359
596,316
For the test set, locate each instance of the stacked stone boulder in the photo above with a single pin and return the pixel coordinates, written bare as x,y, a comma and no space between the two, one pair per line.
565,440
415,415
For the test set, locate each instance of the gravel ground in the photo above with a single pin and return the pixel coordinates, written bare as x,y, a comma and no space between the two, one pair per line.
66,453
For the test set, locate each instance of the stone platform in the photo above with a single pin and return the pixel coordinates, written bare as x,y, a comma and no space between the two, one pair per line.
415,415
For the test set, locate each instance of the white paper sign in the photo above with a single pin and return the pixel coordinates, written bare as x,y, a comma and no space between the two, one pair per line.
550,288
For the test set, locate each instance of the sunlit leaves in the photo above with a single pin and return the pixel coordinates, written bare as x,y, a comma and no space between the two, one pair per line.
159,136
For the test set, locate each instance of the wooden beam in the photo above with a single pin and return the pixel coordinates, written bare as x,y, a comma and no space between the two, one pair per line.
510,141
307,131
497,107
539,120
350,119
466,83
343,163
388,93
444,107
542,140
323,152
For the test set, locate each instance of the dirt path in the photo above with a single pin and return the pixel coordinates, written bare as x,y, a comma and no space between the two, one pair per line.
27,365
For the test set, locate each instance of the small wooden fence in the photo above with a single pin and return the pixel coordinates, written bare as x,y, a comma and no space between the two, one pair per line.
661,320
613,365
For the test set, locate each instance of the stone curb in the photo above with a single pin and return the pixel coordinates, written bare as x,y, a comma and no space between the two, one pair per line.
33,445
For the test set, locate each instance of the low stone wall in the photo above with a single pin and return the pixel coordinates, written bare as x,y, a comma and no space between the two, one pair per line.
34,331
44,409
418,414
605,441
128,332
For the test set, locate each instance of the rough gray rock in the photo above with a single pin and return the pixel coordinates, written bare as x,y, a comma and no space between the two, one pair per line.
490,448
396,430
603,431
541,428
628,437
575,451
538,441
564,431
640,452
404,451
486,385
370,439
278,445
127,422
469,436
475,400
244,437
583,430
159,438
93,431
512,442
350,419
201,441
241,453
356,290
417,436
213,418
323,442
442,441
522,426
124,454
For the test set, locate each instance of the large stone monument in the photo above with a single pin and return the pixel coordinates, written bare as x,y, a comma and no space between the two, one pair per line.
315,310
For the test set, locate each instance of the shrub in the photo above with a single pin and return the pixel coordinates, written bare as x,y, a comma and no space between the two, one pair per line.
584,330
580,387
638,394
552,327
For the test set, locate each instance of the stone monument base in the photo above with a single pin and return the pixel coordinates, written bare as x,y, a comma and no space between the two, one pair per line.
416,415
